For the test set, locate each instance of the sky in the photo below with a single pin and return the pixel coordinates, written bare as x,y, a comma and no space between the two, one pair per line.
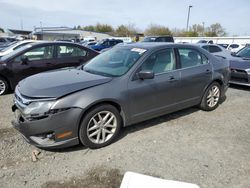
232,15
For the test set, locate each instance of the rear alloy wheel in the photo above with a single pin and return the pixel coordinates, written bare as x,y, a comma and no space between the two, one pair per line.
100,127
211,98
3,86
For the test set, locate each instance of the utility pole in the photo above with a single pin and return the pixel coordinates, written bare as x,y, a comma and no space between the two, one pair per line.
189,7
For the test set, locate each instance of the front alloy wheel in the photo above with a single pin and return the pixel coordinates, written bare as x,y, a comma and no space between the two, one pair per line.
100,126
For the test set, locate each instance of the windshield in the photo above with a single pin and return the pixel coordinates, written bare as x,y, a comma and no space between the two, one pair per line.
115,62
15,52
245,52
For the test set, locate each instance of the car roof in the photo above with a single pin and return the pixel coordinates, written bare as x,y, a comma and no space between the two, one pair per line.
52,42
155,45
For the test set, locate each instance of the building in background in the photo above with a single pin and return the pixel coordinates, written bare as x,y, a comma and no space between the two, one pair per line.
66,33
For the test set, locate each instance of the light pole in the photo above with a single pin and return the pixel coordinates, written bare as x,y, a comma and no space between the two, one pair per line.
189,7
203,29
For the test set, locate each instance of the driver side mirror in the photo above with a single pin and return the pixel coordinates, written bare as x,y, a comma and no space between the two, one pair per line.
24,60
145,74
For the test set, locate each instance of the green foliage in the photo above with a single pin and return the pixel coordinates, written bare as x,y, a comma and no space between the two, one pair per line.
125,31
196,30
103,28
191,34
158,30
89,28
215,30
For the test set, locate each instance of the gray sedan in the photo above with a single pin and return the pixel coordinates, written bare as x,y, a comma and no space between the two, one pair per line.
128,84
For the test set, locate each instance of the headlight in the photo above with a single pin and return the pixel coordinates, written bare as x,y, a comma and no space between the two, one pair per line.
38,108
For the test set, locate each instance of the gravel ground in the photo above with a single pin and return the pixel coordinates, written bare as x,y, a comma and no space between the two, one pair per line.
210,149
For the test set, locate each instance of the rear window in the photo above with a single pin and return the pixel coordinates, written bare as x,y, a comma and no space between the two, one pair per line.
158,39
213,49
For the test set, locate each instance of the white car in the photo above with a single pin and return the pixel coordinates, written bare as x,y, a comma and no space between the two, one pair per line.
216,50
235,47
15,46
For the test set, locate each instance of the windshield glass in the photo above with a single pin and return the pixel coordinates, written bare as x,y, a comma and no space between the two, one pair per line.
245,52
115,62
15,52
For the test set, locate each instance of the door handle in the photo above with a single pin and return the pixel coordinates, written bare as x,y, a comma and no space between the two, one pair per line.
207,71
49,63
172,79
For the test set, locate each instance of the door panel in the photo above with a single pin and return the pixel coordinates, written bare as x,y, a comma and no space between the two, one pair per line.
154,96
196,74
151,97
39,59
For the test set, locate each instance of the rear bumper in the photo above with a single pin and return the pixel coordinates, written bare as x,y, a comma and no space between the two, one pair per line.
59,130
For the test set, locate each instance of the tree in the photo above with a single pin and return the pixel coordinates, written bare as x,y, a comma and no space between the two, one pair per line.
215,30
157,30
89,28
125,30
1,30
198,29
190,34
103,28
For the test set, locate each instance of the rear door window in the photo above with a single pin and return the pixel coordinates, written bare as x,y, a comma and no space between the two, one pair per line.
213,49
70,51
191,58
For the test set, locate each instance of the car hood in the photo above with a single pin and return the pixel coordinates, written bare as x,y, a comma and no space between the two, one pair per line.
56,84
240,64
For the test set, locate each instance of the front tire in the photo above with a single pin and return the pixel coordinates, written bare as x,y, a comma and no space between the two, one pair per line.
211,97
4,86
100,126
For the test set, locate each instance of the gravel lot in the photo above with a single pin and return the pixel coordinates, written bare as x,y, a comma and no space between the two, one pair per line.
211,149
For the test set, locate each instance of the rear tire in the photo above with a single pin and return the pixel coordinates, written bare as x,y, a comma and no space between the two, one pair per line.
4,86
100,126
211,97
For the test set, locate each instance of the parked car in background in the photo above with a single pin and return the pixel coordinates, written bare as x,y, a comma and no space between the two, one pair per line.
235,47
205,42
2,47
158,39
15,46
128,84
86,43
243,53
39,57
216,50
240,67
106,43
6,40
